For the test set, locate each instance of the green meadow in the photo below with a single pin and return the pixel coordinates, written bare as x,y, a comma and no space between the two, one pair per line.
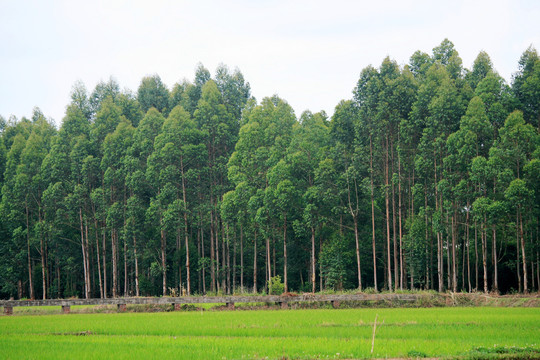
484,332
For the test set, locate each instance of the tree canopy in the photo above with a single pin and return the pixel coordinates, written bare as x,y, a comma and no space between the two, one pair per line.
426,178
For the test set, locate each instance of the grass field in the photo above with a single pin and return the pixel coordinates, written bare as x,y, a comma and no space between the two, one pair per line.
305,334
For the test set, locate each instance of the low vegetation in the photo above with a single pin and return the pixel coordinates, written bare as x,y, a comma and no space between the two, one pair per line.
469,333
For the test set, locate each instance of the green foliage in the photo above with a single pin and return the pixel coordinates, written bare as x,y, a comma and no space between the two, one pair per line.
275,285
429,172
343,333
335,260
152,93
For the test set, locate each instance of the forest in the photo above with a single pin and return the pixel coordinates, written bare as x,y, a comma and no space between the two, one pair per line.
428,177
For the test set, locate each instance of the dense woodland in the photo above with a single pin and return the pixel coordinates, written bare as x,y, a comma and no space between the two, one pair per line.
427,178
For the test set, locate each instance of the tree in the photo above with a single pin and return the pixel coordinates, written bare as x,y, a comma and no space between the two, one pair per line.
152,93
102,91
262,142
526,86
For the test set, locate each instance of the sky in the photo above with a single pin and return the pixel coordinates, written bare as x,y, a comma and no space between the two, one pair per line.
309,52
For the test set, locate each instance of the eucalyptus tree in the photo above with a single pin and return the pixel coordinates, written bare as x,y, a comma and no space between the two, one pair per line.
218,127
532,178
115,148
351,171
180,130
186,95
309,145
518,141
496,96
526,86
282,203
152,93
13,206
234,90
262,143
473,139
135,163
22,192
102,91
436,112
482,66
62,171
384,98
366,97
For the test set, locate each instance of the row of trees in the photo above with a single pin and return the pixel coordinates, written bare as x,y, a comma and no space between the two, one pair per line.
427,178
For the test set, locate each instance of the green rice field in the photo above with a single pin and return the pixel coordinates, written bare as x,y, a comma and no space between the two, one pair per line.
484,332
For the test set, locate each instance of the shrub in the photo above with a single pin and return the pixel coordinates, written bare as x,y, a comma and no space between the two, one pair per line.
275,286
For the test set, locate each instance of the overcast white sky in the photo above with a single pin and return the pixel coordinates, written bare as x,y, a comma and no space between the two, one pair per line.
309,52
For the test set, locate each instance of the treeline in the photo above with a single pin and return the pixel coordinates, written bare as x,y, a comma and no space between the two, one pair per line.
429,177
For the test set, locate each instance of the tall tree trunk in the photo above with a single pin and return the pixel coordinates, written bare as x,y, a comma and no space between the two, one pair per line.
164,259
428,241
448,262
537,265
359,271
274,267
532,264
285,282
387,205
101,295
429,265
523,258
372,214
42,253
312,259
223,259
495,261
467,235
84,255
320,266
518,271
135,255
484,255
104,259
234,267
186,237
30,282
241,259
228,262
87,250
255,261
199,254
401,260
454,260
178,248
114,263
463,263
268,262
126,278
203,257
394,232
212,265
216,247
476,255
440,261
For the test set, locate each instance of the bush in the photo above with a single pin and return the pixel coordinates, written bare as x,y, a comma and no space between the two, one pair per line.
275,286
